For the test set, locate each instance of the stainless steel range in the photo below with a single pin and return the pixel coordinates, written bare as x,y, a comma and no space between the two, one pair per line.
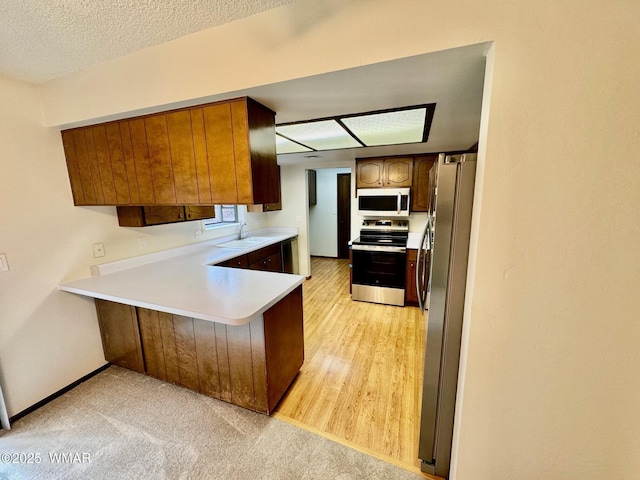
379,261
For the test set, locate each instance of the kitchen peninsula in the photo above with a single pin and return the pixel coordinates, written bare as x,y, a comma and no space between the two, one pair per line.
235,334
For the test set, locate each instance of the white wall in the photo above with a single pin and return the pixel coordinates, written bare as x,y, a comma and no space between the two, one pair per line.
552,338
323,217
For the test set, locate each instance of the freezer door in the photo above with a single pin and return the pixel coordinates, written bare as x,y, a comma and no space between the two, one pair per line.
449,257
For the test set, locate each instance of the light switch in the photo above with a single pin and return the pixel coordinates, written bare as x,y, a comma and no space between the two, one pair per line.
4,265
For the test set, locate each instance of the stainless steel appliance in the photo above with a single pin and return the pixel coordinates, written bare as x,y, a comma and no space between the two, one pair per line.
445,240
379,258
384,202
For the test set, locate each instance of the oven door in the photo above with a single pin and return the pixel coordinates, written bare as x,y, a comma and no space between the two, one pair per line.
379,274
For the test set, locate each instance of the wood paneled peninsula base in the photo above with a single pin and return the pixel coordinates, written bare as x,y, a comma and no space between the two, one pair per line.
249,365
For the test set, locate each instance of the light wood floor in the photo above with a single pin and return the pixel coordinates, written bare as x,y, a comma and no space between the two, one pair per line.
362,376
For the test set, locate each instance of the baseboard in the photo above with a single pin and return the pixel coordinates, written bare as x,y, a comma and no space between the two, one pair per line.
57,394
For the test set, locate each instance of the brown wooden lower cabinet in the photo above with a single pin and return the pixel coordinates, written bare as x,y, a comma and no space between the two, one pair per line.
249,365
410,291
268,259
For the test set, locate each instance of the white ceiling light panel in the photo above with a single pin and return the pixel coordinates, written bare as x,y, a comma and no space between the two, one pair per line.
390,128
322,135
284,145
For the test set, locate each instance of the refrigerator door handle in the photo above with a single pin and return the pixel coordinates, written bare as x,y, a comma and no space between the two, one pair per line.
426,235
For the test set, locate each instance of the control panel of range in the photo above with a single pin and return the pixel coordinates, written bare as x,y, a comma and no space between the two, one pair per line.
387,225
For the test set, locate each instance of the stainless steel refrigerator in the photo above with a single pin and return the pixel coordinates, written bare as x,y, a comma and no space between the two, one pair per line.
441,280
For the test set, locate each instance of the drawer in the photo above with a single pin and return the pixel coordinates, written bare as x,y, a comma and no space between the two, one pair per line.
263,253
237,262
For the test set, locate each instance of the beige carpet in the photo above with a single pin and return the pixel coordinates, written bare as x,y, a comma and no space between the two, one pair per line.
123,425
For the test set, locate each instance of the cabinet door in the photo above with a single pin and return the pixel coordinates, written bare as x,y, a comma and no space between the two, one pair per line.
164,187
219,138
410,291
369,173
274,262
183,159
120,334
97,139
420,190
118,165
398,172
158,215
198,212
269,207
140,151
262,183
79,167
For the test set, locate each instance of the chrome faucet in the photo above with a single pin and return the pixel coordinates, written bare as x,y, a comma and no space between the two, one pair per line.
242,232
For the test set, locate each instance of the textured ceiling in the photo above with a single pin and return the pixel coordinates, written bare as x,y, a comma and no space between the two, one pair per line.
44,39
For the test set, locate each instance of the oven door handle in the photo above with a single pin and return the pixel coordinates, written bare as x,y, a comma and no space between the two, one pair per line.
379,248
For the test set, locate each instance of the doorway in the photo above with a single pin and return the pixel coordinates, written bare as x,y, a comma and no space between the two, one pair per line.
330,214
344,214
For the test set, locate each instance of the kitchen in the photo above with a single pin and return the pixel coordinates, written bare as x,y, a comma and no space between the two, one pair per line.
84,143
510,354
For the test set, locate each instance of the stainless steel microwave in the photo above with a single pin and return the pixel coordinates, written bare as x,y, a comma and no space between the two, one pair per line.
383,202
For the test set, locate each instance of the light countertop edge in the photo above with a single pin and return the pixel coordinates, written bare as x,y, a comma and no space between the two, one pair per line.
188,284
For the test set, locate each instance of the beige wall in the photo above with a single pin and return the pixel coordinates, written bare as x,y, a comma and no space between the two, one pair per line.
552,339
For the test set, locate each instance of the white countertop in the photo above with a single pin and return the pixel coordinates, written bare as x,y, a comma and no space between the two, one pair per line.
182,281
413,241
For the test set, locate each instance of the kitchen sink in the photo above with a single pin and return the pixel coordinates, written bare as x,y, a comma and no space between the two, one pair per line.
244,242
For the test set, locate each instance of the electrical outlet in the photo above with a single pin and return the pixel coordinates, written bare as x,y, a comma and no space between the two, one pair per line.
4,265
142,242
98,250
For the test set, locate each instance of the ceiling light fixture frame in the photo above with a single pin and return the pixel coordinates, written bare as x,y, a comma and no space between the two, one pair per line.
428,120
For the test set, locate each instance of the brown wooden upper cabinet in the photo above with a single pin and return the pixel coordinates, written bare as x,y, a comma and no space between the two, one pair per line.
268,207
222,152
384,172
420,191
398,172
157,215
